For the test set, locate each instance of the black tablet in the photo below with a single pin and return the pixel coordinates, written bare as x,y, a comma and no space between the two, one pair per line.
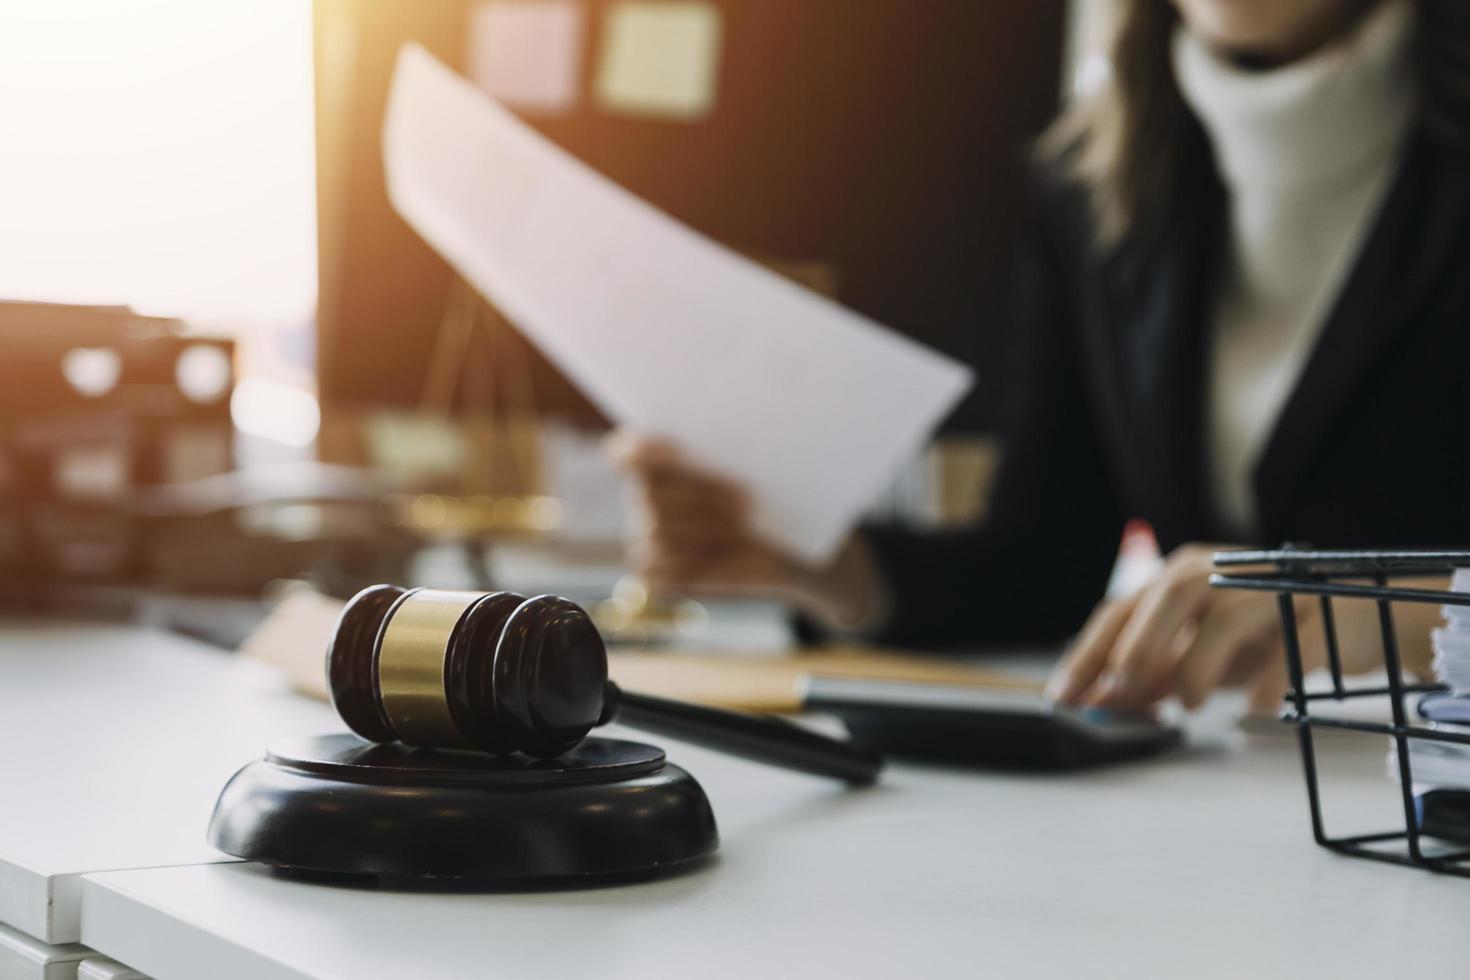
991,728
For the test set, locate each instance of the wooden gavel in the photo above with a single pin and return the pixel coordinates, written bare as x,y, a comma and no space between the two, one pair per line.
500,673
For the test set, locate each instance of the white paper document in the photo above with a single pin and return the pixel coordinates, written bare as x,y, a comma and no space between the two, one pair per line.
808,405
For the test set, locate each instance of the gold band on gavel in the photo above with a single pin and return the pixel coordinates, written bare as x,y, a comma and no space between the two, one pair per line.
411,665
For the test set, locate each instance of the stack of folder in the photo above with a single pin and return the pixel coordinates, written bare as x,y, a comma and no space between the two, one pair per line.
1441,770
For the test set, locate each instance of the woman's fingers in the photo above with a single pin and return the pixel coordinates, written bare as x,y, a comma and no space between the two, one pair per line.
1177,635
1269,686
1228,642
694,527
688,527
1085,662
678,504
671,538
715,568
662,472
637,452
694,498
670,489
1181,636
1142,663
1147,649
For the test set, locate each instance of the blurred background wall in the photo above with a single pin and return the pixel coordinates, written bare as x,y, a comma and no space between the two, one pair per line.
879,141
201,277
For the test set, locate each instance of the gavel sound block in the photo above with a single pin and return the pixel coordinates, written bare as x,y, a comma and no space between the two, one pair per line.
471,757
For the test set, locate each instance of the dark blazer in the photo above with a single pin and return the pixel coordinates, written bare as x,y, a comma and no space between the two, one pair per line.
1107,416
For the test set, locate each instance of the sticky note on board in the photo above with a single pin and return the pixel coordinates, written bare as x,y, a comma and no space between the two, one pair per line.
660,58
528,53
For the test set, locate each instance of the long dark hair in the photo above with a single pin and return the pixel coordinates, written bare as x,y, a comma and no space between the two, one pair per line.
1123,143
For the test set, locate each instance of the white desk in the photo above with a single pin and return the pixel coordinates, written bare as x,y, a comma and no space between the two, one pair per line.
25,957
103,968
1199,865
117,742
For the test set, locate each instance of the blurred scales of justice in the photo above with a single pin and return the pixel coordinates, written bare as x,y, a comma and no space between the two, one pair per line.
625,316
671,99
813,406
483,477
500,496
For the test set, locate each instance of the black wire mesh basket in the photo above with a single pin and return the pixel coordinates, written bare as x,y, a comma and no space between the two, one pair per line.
1329,575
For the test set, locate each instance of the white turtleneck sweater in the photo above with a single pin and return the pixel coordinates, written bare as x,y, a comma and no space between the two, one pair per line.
1307,153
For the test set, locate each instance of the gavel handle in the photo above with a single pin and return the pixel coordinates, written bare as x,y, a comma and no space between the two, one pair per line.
774,741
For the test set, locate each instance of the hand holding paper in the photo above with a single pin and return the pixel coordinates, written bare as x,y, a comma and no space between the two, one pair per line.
810,406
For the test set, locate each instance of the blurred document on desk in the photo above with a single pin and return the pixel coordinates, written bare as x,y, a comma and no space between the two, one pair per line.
810,406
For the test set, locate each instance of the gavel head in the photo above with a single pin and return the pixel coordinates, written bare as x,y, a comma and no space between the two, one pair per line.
491,671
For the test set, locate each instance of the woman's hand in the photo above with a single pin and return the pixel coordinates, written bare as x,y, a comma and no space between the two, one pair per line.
694,538
1178,636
